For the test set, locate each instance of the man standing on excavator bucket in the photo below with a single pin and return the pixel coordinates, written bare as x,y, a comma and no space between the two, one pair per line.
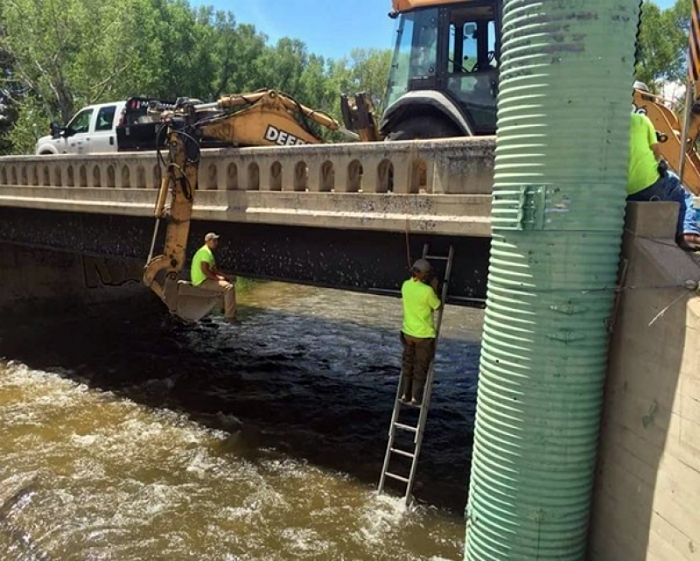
205,275
419,301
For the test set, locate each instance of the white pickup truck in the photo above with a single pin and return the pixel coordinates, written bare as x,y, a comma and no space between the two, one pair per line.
91,130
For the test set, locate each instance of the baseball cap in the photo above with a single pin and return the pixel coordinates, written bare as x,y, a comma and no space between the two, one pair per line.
211,236
421,266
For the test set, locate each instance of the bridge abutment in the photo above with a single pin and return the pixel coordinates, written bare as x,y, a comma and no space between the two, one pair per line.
34,278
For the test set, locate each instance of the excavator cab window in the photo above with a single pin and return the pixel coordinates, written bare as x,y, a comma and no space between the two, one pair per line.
472,62
414,64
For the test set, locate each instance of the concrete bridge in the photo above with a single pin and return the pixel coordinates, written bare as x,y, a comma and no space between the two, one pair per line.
347,216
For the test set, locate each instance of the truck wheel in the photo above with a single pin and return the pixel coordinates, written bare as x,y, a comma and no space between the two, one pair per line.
424,127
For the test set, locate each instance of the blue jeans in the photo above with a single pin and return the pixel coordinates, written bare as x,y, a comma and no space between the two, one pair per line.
670,188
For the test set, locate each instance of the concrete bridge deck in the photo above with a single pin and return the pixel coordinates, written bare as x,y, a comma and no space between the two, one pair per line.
373,186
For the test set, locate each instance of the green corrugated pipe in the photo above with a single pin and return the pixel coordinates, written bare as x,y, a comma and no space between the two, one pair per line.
558,213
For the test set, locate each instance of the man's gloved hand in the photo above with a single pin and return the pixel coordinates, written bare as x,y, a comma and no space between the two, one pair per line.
662,168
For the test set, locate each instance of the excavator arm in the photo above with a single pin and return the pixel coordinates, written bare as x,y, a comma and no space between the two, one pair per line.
264,118
670,133
180,182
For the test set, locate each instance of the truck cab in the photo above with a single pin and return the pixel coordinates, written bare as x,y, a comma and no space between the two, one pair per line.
91,130
444,72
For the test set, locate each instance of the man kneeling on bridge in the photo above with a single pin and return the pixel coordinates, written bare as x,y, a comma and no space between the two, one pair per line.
205,275
647,180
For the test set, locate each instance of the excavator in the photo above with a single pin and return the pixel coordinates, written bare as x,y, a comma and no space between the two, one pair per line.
262,118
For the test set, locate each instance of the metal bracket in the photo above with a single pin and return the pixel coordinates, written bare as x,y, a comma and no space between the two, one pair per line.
531,207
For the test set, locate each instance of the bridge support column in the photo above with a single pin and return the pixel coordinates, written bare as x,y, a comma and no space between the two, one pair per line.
558,210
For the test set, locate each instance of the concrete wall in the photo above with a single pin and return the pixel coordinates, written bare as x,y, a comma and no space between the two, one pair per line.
647,494
34,277
361,260
444,166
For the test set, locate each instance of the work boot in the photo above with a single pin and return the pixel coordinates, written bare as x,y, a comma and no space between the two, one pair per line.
405,390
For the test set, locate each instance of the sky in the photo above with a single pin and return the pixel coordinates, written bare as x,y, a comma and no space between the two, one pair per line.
329,28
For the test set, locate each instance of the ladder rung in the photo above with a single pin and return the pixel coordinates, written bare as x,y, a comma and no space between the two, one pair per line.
397,477
402,453
405,427
437,257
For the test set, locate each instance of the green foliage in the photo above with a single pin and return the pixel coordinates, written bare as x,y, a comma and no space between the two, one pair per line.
663,43
30,124
59,55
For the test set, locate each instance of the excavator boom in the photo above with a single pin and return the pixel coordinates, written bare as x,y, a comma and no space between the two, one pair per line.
180,181
262,118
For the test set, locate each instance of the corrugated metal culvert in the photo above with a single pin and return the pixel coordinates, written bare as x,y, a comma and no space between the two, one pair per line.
558,212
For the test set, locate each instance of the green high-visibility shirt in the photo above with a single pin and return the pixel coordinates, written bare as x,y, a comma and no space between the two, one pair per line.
203,255
419,301
642,172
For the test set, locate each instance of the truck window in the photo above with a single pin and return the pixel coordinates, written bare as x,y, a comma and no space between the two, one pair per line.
105,118
81,122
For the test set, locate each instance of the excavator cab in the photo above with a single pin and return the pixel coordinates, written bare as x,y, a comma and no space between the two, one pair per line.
443,80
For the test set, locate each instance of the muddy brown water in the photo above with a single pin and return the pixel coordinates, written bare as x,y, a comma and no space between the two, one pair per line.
126,436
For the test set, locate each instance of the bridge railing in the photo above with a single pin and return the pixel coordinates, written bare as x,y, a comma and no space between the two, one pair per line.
449,166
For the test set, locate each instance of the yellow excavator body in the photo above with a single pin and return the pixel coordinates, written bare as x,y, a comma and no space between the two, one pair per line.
670,133
266,118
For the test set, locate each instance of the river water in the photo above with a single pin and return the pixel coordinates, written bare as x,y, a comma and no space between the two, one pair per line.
126,436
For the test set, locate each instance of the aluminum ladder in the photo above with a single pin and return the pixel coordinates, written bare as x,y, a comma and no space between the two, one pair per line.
419,429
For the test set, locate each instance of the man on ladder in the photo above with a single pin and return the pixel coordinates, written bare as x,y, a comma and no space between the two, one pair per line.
419,335
419,301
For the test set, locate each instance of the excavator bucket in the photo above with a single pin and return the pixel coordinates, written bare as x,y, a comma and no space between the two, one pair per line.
359,116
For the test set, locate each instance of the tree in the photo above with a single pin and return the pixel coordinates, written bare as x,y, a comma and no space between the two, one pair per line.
58,55
662,43
366,70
